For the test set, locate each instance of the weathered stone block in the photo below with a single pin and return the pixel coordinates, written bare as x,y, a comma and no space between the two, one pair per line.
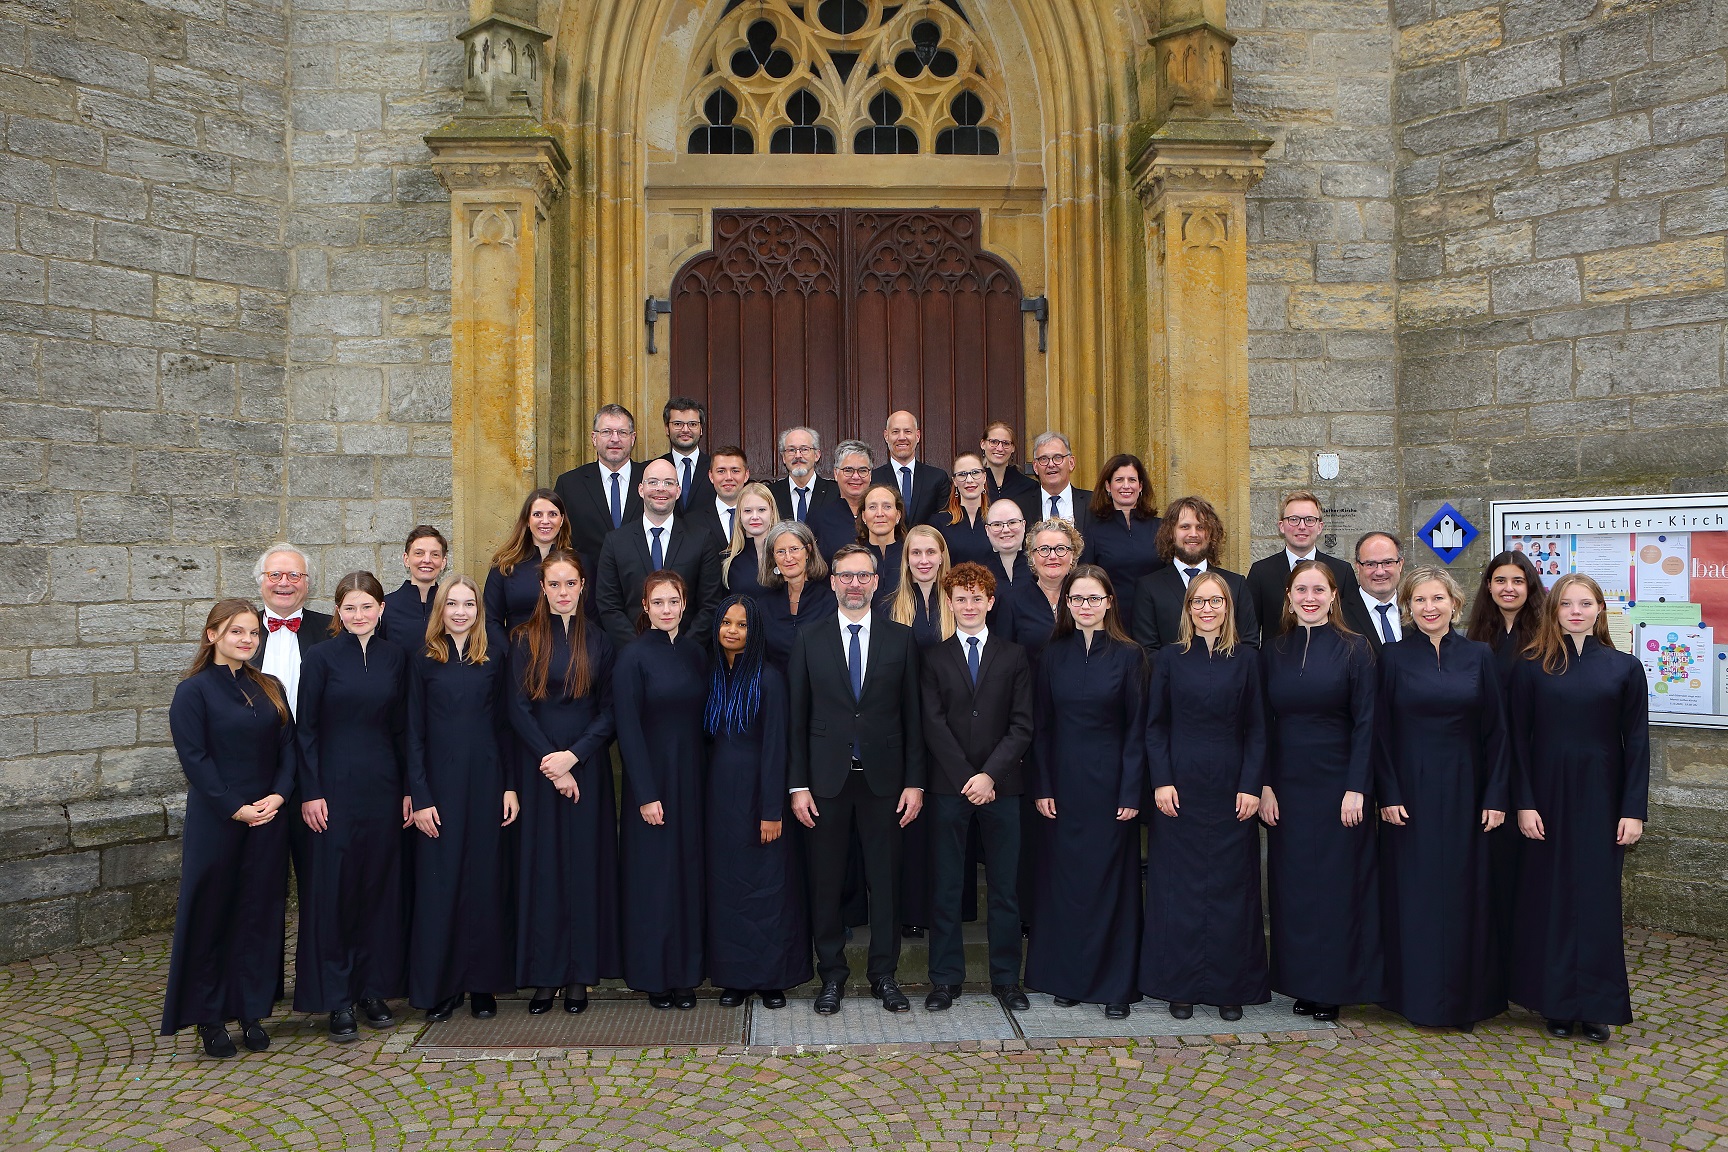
1571,415
1578,322
1455,130
94,286
1344,385
1495,161
104,917
1638,455
1429,91
1557,107
1430,303
1460,380
48,876
126,864
225,217
1692,309
1655,270
36,517
1542,195
335,476
1565,147
1687,80
1491,247
1443,466
1516,71
144,771
1353,263
1286,431
245,264
1450,212
1448,38
28,930
1534,373
89,574
337,111
46,233
337,393
1542,285
86,731
1657,360
181,574
1608,48
149,249
96,823
1531,460
1707,117
33,831
414,474
73,59
123,519
1614,225
1671,169
1524,19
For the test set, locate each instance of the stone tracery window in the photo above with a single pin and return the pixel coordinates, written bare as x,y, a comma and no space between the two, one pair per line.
869,77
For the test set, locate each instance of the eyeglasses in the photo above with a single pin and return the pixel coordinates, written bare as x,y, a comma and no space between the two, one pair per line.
1380,565
993,524
660,482
1087,601
1206,602
970,474
792,550
1052,550
284,577
796,450
995,443
685,425
614,433
863,471
1047,461
854,577
1302,521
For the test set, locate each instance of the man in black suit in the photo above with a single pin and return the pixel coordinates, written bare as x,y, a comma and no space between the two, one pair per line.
657,540
1300,522
1373,608
977,693
1056,496
728,472
686,421
801,491
1190,539
601,496
836,524
856,758
924,488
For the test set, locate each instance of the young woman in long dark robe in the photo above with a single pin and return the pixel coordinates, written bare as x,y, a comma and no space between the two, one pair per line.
354,799
1441,781
1089,741
1323,888
1580,721
567,872
235,740
513,583
1206,756
758,937
459,741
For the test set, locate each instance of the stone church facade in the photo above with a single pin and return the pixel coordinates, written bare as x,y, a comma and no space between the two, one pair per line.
320,270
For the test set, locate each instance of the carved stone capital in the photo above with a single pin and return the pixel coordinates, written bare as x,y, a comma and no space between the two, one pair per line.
530,160
1165,165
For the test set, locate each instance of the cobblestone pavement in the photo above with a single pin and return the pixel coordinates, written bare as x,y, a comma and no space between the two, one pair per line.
81,1067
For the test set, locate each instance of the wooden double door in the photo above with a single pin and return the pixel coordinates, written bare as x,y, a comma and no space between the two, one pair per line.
834,318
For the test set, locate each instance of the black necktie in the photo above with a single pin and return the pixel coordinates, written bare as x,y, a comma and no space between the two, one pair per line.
1191,572
657,557
1385,623
803,504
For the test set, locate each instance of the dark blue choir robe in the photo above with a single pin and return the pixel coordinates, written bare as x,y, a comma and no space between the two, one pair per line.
1206,735
459,741
758,935
741,575
405,616
1127,549
567,868
1027,618
780,624
1441,752
659,692
1014,484
915,876
228,927
1505,843
1323,886
353,735
887,571
1582,743
510,600
967,539
1089,750
1008,578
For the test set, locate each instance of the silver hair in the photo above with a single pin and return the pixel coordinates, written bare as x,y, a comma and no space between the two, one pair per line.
280,546
612,410
815,568
1046,437
815,439
853,448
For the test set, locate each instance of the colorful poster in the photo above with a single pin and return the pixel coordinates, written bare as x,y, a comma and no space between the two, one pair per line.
1659,568
1607,559
1709,583
1677,668
1550,554
1619,624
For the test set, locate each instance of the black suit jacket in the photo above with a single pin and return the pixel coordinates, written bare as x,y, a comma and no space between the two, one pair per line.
988,728
1158,606
589,506
314,630
1035,506
822,492
625,564
1269,574
701,488
826,720
1363,621
931,487
705,518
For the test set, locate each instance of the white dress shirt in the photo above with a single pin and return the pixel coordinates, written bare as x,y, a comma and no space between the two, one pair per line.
726,512
1374,614
983,636
665,527
695,458
1064,504
1295,559
282,657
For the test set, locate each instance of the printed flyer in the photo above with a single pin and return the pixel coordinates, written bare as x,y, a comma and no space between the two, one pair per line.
1677,664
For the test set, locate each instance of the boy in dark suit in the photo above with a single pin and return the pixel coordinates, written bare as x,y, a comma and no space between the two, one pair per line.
977,693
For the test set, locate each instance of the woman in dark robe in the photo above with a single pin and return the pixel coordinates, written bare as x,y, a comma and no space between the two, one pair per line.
796,591
745,559
459,741
1440,779
882,529
1002,480
567,875
354,799
513,584
1323,888
235,739
1580,721
1005,525
1053,548
962,527
1123,534
758,936
408,609
659,690
1090,753
1206,757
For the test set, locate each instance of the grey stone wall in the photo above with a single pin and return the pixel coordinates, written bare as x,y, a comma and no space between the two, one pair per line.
1561,218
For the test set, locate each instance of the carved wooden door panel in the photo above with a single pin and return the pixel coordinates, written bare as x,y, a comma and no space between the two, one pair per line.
835,318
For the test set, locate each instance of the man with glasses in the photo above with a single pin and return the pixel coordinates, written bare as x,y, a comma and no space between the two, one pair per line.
1056,497
1191,537
656,540
856,758
601,497
1373,610
923,487
801,491
836,525
686,420
1300,522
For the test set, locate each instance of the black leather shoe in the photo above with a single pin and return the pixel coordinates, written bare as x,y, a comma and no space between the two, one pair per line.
483,1005
660,1000
342,1026
576,999
377,1014
1560,1028
444,1009
252,1035
911,931
1181,1011
542,1002
1011,996
1303,1007
828,1000
941,997
684,999
1230,1012
1470,1027
217,1042
773,998
1063,1002
1325,1013
887,991
1116,1011
733,997
1596,1032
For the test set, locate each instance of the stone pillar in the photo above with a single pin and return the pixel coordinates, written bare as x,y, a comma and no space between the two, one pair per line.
503,172
1193,172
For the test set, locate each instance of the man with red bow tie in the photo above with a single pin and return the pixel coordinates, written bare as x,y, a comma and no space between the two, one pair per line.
284,581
